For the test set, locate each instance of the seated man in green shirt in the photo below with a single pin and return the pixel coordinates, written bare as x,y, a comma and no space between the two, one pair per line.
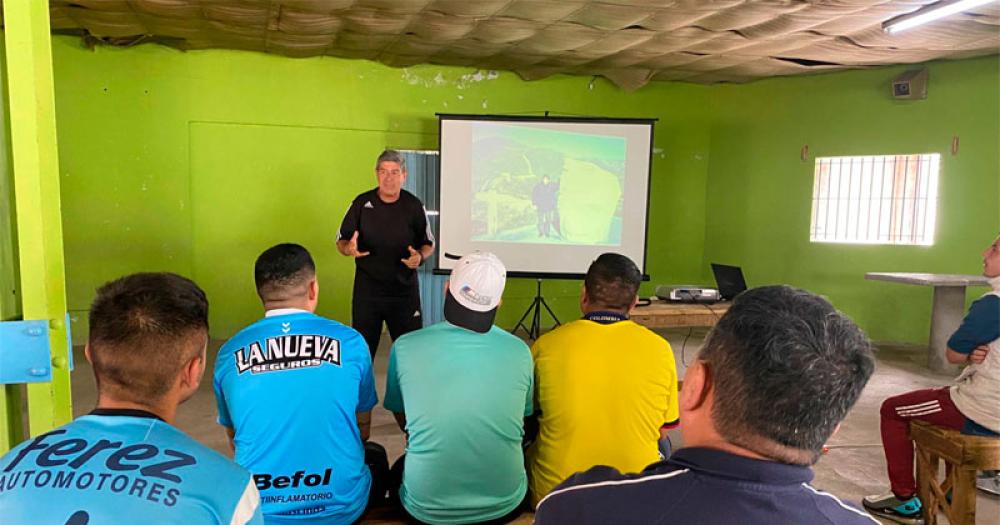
460,390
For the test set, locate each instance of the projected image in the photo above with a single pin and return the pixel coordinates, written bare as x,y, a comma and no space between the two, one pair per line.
533,185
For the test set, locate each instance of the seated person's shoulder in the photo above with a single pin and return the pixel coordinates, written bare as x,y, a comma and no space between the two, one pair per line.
216,477
565,330
224,468
989,305
335,329
428,334
159,453
513,344
505,337
240,338
642,337
604,489
411,199
642,331
602,479
986,309
981,325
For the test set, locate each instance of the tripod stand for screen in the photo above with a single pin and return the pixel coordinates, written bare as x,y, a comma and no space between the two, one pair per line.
535,311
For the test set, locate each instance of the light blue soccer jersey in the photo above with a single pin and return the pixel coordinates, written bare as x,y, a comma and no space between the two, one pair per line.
122,467
290,385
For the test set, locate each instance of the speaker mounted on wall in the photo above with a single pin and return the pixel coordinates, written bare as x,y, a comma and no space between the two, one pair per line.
911,85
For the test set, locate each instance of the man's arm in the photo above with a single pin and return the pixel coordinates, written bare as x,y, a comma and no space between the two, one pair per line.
426,251
224,418
977,356
247,511
530,430
423,239
424,236
231,434
980,325
393,401
365,424
343,247
347,235
531,410
400,420
417,258
349,247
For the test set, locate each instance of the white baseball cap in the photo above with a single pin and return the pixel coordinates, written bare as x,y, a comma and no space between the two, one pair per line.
476,285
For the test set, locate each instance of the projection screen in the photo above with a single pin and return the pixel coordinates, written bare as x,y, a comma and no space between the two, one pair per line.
545,194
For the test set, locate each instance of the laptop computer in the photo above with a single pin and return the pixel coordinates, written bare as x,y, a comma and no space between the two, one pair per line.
729,279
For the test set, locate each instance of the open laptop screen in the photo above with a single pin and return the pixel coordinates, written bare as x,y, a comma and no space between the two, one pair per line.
729,279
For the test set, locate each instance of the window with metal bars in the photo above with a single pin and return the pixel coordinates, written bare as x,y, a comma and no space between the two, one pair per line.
875,199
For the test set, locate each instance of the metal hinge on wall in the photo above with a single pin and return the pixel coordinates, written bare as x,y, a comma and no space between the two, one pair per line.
25,352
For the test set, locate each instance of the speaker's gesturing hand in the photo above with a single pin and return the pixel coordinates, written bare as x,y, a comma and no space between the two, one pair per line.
352,247
414,260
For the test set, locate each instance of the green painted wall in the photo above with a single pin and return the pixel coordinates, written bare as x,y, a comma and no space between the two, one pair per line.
760,191
195,162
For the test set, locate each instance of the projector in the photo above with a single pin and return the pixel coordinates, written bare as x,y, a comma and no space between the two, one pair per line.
687,293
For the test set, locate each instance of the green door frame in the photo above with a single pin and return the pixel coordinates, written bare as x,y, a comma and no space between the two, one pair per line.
30,108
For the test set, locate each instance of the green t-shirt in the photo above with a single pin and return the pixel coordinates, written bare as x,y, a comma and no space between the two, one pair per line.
465,395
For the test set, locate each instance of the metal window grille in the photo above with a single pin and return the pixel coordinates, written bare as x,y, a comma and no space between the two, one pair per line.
879,199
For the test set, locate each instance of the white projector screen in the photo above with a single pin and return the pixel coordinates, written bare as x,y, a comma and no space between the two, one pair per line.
547,195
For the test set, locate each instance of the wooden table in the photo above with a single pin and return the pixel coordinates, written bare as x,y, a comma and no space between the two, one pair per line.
663,314
948,309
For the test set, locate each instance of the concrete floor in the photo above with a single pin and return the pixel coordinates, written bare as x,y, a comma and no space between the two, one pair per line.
853,468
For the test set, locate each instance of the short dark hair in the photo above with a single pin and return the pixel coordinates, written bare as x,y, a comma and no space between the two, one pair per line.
391,155
786,367
144,327
282,271
612,281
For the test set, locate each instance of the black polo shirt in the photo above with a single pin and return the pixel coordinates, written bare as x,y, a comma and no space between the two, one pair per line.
697,485
385,230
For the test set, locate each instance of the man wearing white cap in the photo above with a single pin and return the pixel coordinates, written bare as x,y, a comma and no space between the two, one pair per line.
460,390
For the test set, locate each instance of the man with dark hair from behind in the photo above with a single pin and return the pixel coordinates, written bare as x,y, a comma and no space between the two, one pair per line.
125,462
460,389
295,393
774,380
606,386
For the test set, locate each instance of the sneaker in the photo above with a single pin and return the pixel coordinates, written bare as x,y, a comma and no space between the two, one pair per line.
890,507
989,482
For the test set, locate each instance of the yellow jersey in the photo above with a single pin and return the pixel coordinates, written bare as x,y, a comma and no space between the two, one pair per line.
604,391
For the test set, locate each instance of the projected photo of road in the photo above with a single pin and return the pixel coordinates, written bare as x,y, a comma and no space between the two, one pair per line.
534,185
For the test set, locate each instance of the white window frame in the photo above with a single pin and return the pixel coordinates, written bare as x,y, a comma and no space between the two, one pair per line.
875,199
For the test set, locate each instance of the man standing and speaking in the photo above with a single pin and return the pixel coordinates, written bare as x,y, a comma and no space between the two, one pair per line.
386,232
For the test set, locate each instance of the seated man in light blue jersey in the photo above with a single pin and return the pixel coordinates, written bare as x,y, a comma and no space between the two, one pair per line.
460,390
295,393
125,462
